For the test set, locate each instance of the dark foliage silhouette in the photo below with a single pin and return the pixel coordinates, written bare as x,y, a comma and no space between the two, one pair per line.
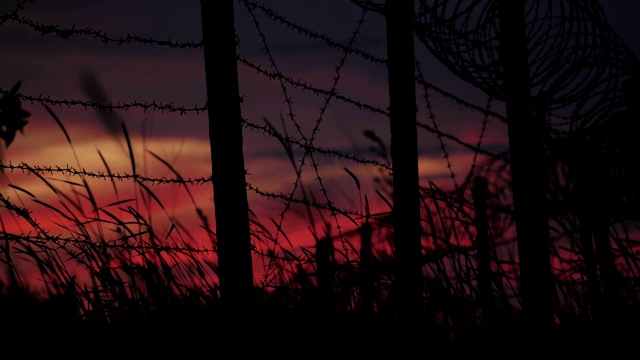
12,115
112,274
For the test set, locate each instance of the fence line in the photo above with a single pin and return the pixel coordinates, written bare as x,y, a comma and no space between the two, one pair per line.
304,143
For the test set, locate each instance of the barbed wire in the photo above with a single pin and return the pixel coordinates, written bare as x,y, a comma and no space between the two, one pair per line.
67,33
304,143
313,35
328,206
23,167
69,170
51,242
5,16
305,86
154,105
330,152
307,141
182,110
117,243
377,110
346,49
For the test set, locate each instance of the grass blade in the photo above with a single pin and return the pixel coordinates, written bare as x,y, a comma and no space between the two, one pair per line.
55,117
126,136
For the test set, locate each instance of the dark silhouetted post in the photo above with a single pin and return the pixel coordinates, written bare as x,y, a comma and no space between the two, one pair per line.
366,275
480,194
404,155
528,172
326,273
227,159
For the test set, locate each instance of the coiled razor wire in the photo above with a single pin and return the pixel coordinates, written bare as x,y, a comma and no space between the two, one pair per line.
577,62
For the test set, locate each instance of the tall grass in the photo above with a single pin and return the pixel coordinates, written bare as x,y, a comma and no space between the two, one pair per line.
113,271
110,265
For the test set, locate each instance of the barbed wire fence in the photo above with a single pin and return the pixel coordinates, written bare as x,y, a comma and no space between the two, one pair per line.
450,234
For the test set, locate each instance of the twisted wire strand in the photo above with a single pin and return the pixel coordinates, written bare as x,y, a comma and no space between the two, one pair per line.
68,170
314,35
6,16
146,106
67,33
270,13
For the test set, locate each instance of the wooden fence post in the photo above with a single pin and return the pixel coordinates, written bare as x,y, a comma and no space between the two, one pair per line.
404,156
235,270
526,132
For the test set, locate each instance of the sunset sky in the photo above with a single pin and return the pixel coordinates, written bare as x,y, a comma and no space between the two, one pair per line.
54,68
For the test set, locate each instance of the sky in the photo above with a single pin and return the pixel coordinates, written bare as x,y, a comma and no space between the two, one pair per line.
55,68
